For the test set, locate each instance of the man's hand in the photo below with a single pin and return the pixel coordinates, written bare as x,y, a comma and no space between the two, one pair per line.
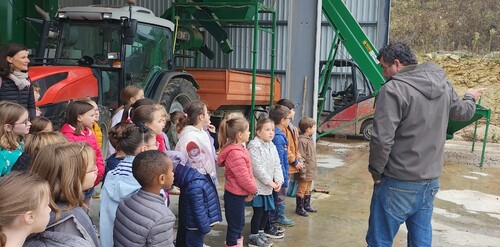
376,181
476,92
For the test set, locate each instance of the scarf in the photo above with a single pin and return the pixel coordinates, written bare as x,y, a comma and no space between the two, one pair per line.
20,79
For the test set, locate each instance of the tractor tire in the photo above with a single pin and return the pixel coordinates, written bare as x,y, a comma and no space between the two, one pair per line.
366,129
178,93
104,122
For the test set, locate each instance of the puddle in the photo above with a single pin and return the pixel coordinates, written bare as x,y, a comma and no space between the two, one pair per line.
445,213
463,238
472,201
329,161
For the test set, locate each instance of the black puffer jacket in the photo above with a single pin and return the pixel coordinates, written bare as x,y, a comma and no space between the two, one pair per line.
24,97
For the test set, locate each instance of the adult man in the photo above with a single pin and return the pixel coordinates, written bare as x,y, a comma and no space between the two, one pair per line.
406,149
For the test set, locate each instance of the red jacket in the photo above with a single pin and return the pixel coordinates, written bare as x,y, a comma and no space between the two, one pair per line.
89,138
238,172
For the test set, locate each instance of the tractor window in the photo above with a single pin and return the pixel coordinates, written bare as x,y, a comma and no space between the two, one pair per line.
364,87
99,42
152,48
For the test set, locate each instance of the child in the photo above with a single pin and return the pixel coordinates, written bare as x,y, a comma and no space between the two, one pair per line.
269,177
14,124
96,129
152,117
191,128
70,168
80,118
172,128
33,143
36,95
24,207
295,161
129,95
154,172
281,116
115,134
240,184
307,149
40,124
120,182
199,206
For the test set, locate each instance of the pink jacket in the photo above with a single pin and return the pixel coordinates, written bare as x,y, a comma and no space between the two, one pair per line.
238,172
89,138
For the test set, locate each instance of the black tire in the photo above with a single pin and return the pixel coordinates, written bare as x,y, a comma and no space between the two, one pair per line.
177,93
366,129
104,121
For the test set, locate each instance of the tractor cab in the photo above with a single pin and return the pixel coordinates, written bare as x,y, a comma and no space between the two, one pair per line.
117,49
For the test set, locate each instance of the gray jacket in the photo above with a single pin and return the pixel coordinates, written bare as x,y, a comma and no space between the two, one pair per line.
143,219
265,164
411,117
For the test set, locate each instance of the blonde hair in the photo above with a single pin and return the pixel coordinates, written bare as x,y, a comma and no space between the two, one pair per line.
221,135
10,112
20,192
41,139
63,166
230,129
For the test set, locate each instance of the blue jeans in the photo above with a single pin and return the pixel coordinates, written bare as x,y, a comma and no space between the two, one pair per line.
235,216
395,202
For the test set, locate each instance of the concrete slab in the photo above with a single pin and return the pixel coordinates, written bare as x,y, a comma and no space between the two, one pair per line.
467,208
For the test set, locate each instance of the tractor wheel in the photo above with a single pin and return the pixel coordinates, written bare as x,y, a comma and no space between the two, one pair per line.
177,93
366,129
104,121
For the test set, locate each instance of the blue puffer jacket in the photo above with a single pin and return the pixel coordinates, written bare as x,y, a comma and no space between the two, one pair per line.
198,199
281,144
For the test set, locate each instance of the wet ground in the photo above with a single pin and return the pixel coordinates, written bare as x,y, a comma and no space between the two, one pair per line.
467,208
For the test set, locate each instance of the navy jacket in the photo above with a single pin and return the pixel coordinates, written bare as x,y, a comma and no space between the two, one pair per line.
198,199
281,144
24,97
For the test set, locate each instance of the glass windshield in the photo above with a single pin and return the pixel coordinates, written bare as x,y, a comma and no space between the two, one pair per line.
97,40
152,49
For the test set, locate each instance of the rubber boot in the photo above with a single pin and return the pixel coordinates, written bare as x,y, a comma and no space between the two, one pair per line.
282,219
307,204
299,208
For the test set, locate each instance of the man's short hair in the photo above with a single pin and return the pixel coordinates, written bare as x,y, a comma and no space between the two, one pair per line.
148,165
286,102
278,112
306,123
397,50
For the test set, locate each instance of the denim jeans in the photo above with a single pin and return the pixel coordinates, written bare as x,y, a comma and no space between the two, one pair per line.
395,202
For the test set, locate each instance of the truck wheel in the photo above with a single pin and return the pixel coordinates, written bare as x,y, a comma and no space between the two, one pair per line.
366,129
177,93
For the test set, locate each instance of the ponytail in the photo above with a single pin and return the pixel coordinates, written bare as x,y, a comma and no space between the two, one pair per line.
191,113
229,130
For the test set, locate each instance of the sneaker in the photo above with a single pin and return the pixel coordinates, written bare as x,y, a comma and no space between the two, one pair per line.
263,236
273,233
280,229
255,241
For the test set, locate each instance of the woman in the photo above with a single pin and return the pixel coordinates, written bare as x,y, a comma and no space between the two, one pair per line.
15,84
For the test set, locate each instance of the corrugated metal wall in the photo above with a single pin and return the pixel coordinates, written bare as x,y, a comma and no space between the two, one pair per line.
365,11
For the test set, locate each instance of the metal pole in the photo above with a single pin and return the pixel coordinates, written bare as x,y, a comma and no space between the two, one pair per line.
273,58
254,68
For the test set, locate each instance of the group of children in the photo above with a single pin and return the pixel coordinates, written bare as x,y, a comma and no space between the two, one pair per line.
66,165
